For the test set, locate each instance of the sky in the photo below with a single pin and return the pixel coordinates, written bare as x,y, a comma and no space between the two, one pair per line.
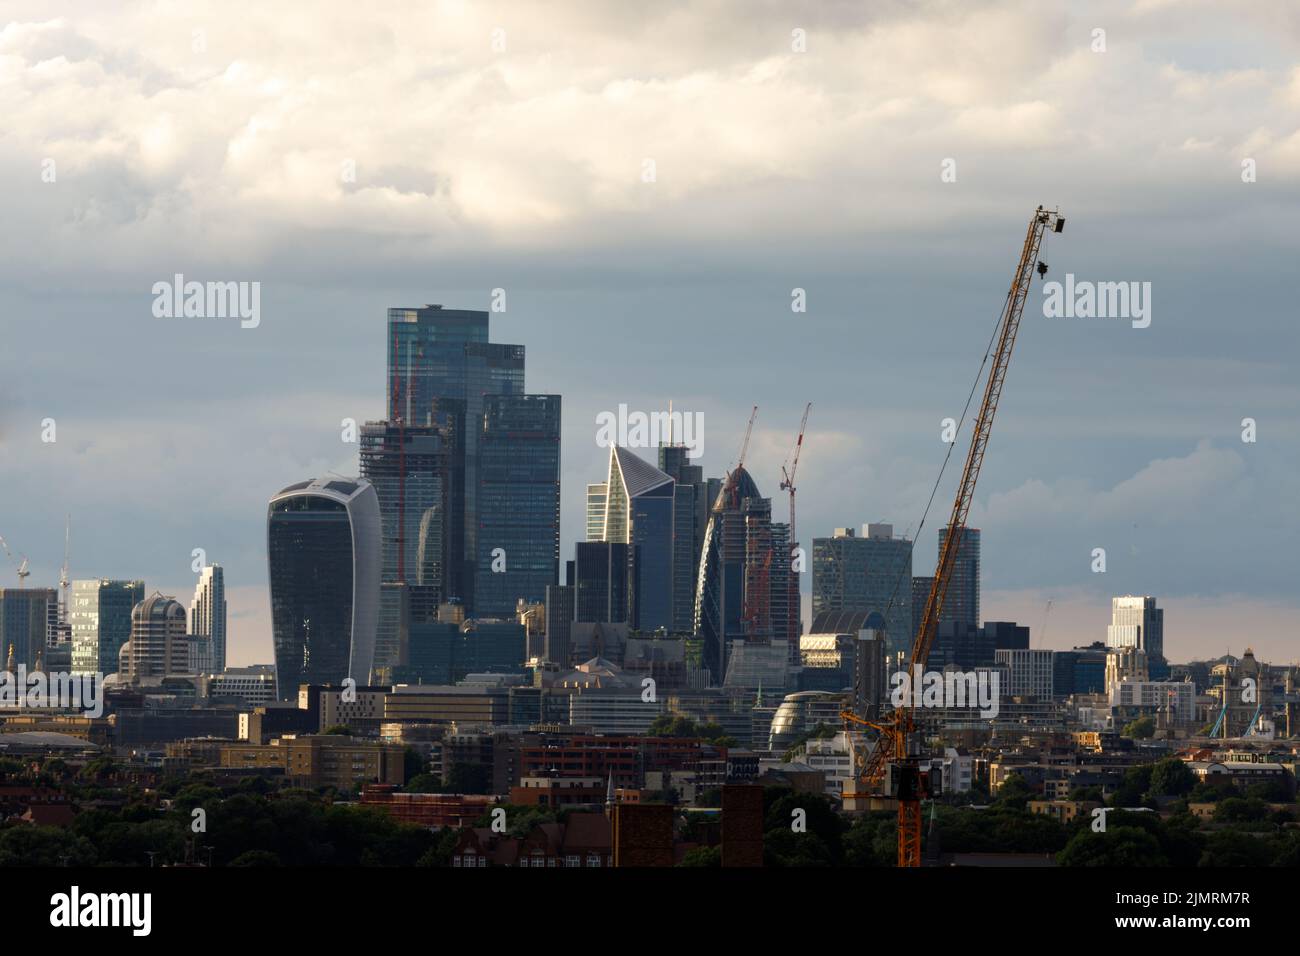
649,184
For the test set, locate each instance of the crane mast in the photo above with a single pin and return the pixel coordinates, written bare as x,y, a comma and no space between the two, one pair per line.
893,751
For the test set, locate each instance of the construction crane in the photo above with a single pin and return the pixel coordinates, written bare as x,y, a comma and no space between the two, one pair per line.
23,573
893,766
65,581
787,473
732,488
794,626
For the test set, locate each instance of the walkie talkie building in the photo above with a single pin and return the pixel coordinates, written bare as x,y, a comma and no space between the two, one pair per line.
323,554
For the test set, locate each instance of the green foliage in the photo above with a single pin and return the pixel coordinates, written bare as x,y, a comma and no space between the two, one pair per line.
1241,810
44,846
673,725
1172,777
703,856
1014,793
1144,728
1118,846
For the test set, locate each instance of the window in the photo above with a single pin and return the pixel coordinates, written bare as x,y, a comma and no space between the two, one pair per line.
572,860
593,859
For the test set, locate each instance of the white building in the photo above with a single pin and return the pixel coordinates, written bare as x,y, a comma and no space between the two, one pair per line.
1029,672
208,614
254,685
1179,698
1137,622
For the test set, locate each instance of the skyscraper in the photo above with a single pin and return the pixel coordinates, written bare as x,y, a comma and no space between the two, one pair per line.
639,513
24,622
100,618
208,613
690,518
436,353
868,573
416,472
733,599
158,646
596,511
519,502
600,581
323,553
1137,622
961,604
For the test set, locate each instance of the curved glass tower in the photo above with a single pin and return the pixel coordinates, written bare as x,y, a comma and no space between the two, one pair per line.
720,593
323,555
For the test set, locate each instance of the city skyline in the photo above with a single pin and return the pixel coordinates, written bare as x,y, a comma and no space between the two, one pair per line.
1111,436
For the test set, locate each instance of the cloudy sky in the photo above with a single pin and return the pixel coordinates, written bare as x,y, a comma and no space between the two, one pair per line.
351,157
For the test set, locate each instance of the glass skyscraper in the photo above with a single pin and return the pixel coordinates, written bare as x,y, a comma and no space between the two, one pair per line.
24,622
639,510
100,618
436,353
416,472
961,605
851,573
323,553
518,502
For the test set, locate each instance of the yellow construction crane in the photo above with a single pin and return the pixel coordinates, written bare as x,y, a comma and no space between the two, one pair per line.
893,768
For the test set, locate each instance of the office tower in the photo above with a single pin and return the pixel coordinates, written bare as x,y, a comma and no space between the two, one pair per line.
639,513
919,595
208,613
961,603
690,518
968,648
1137,622
1029,672
600,581
158,647
414,470
559,622
870,674
1080,671
24,622
733,601
100,618
518,502
323,555
490,647
596,511
786,624
868,573
436,353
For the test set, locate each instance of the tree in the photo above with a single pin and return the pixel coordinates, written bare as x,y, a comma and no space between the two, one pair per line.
1117,846
1014,792
702,856
1172,777
1143,728
338,730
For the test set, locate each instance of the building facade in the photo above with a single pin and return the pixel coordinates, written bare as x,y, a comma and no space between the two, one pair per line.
323,551
100,619
208,613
